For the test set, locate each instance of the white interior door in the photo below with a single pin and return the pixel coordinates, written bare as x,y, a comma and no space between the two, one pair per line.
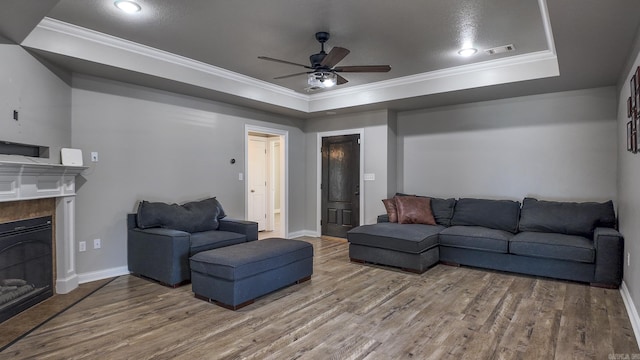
257,181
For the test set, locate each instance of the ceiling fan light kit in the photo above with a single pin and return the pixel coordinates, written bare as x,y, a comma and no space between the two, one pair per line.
322,79
323,70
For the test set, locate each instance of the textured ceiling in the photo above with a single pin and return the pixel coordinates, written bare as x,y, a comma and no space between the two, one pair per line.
592,40
414,36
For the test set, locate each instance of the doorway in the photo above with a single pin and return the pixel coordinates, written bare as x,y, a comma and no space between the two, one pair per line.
266,183
340,184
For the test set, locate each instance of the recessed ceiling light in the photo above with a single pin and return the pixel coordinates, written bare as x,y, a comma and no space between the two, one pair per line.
467,51
130,7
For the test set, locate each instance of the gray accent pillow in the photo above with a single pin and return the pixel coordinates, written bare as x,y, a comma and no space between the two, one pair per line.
493,214
568,218
191,217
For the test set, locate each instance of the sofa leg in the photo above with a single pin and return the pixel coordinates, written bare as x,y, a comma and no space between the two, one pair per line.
448,263
357,261
226,306
604,286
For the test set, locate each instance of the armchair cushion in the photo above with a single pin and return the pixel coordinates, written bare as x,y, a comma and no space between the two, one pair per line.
191,217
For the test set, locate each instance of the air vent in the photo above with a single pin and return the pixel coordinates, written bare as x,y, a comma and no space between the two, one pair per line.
500,49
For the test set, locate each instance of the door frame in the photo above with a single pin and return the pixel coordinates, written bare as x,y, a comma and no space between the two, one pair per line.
358,131
284,186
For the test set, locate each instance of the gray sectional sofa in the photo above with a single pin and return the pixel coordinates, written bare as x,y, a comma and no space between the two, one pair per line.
563,240
162,237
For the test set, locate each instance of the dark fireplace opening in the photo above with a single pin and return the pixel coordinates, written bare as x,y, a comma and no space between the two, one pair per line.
26,264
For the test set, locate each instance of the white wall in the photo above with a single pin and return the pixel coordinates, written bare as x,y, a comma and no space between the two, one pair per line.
629,193
559,146
159,146
42,99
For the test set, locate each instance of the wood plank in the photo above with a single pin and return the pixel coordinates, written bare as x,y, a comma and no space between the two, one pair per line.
346,311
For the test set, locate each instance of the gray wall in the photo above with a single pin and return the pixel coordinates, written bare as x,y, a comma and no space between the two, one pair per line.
42,99
159,146
629,190
559,146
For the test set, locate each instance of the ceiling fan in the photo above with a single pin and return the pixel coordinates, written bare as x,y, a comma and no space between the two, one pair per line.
323,72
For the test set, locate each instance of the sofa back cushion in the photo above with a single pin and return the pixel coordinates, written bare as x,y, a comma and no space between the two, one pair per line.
493,214
191,217
566,217
443,210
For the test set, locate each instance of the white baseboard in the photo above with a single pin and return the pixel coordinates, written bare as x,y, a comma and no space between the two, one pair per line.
65,286
631,310
103,274
311,233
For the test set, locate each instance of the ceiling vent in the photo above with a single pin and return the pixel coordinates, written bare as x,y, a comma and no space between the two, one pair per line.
500,49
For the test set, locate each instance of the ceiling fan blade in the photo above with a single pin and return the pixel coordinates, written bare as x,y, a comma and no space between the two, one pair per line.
341,80
363,68
334,56
290,75
283,61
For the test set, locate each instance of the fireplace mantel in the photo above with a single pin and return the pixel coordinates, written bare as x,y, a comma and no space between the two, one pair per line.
26,179
31,180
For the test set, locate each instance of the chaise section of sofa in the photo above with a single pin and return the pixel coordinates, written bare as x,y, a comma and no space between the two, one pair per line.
563,240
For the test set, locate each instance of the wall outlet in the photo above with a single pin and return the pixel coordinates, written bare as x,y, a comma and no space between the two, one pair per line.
82,246
97,244
628,259
94,156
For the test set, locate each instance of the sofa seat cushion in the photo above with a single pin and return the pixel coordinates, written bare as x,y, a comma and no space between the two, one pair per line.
410,238
214,239
553,246
476,238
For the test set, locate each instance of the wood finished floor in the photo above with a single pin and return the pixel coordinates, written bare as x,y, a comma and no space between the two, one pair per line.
346,311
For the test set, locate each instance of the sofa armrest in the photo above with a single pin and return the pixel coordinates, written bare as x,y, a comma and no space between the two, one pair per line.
383,218
609,244
160,254
247,228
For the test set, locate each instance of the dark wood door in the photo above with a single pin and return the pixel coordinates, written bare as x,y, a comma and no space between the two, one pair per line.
340,184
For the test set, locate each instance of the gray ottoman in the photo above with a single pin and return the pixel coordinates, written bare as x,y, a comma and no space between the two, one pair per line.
233,276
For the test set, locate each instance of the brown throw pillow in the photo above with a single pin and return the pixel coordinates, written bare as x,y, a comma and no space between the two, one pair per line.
414,210
392,211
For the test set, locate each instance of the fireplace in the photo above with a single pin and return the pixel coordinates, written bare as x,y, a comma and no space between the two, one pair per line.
26,264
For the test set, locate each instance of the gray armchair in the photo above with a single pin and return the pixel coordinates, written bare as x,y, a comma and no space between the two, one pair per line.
159,246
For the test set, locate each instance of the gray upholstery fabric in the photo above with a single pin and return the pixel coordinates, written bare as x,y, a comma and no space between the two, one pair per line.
411,238
494,214
609,245
247,228
553,246
236,292
191,217
244,260
163,254
566,217
213,239
443,210
416,262
553,268
476,237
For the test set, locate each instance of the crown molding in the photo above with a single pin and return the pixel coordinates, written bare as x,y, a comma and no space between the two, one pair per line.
71,40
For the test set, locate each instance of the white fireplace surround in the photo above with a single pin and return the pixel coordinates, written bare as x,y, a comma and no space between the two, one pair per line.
28,180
